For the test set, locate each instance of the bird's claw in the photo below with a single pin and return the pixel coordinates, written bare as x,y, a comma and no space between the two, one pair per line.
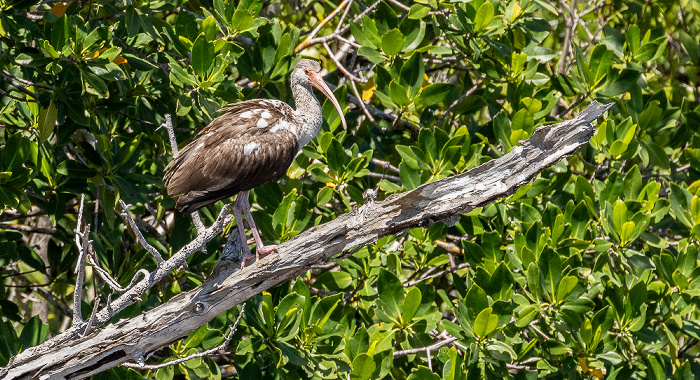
266,249
246,257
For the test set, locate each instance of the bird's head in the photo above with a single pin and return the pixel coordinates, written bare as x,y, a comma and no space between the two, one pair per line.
307,72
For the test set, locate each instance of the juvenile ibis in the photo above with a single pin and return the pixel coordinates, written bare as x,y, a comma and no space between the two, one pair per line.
251,143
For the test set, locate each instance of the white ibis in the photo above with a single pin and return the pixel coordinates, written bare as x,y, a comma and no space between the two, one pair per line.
252,143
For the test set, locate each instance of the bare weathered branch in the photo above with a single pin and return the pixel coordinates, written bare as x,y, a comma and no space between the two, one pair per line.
127,340
208,352
81,241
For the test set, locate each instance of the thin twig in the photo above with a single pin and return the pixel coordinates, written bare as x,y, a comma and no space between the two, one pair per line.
392,178
171,135
136,118
400,5
23,228
26,82
309,41
574,104
342,18
139,54
456,103
50,298
363,107
537,330
418,350
111,282
139,237
384,164
18,86
81,241
92,316
25,99
438,274
342,68
222,346
318,27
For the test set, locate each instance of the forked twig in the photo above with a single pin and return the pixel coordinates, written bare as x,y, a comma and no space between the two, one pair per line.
139,236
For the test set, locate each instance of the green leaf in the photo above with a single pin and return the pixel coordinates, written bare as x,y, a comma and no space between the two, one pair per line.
333,281
601,58
33,333
9,346
566,286
390,293
411,304
94,84
132,21
362,367
619,215
337,158
15,152
523,120
398,94
483,16
680,204
434,93
60,32
241,21
371,54
428,146
526,315
202,56
210,28
418,11
633,184
412,73
392,42
423,373
626,232
550,267
324,195
618,148
485,323
410,178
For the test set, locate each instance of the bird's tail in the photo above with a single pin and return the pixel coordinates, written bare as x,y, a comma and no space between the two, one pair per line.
195,200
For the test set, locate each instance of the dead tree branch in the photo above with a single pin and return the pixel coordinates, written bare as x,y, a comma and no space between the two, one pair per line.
70,356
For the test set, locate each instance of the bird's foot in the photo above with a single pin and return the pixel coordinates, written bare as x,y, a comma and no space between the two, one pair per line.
247,256
265,249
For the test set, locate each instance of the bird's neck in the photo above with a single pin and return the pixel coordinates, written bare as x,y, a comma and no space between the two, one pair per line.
308,113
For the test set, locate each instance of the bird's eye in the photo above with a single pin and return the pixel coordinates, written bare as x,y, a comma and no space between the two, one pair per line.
306,71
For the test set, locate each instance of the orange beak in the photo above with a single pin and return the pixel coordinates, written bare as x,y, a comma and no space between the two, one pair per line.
317,81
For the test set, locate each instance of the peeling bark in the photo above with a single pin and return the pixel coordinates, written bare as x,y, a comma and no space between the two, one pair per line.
69,355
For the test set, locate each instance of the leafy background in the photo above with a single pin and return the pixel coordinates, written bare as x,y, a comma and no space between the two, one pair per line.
590,271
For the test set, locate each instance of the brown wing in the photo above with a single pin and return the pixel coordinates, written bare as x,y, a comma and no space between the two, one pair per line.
241,149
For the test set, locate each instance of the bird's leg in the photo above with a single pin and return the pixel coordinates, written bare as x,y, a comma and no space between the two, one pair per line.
260,247
237,208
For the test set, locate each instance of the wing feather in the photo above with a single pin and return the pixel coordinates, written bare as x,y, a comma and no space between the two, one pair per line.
232,154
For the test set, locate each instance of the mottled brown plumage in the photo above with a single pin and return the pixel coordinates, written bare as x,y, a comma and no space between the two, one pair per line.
215,165
251,143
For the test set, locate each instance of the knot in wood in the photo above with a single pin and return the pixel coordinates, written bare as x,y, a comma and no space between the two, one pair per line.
369,196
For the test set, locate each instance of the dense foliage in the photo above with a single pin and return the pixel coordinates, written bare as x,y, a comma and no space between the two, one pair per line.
590,271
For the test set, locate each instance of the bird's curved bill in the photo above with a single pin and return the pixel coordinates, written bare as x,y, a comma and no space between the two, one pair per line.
317,81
